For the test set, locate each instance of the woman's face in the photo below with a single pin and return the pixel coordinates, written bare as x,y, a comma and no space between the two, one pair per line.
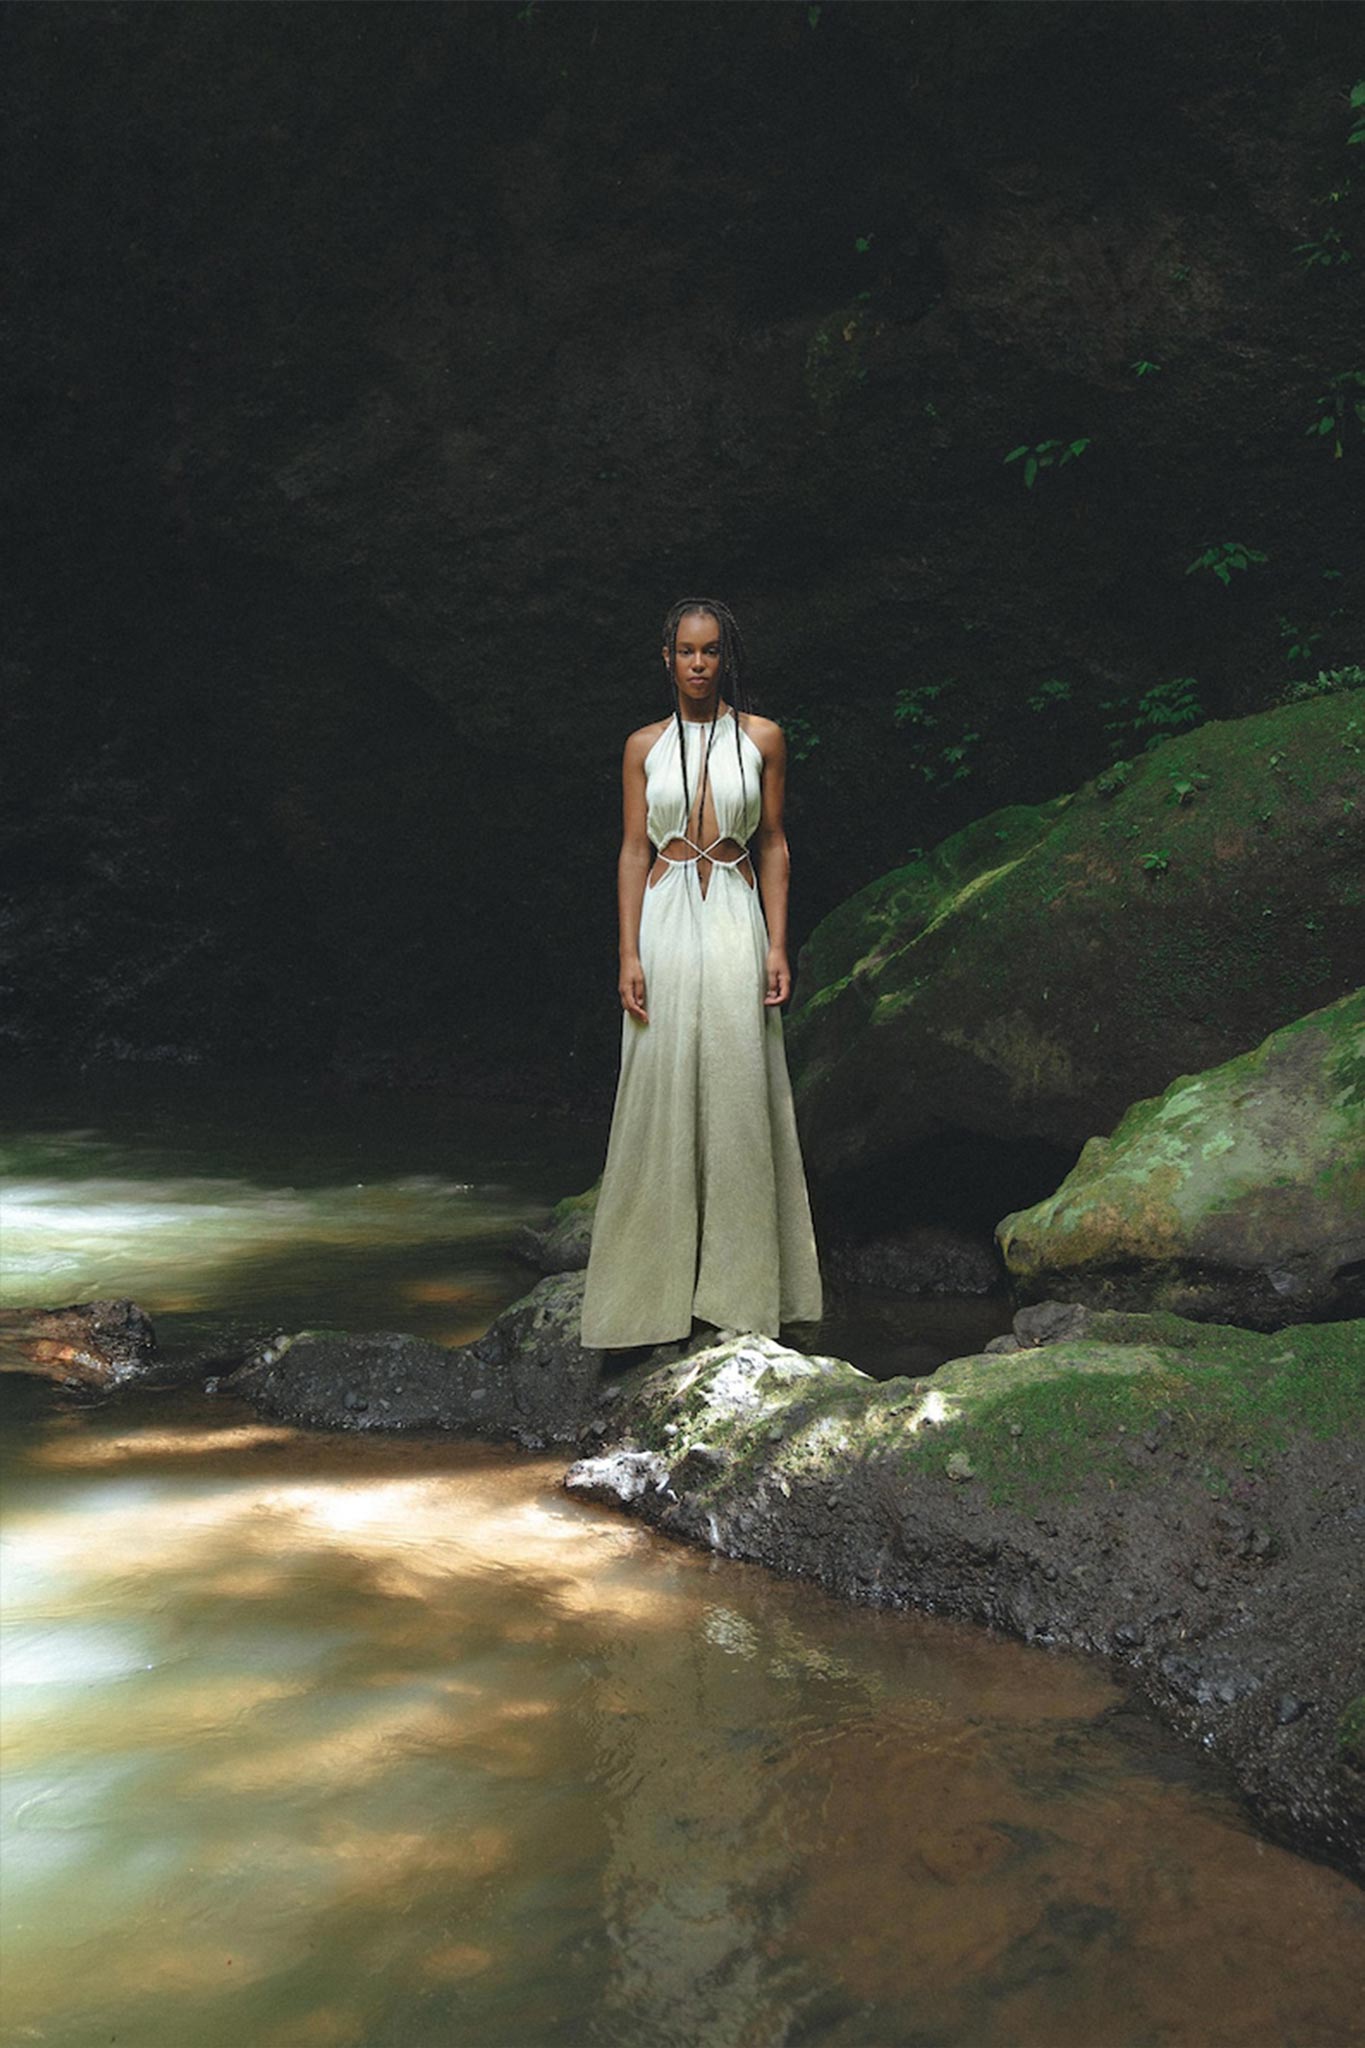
696,657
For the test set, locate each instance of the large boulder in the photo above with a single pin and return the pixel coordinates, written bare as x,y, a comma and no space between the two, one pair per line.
1047,967
527,1377
1181,1496
1237,1195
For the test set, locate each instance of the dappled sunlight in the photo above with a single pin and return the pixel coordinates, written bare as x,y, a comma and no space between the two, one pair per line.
331,1740
199,1445
399,1719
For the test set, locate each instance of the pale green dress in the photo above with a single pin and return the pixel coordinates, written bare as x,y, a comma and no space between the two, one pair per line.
703,1209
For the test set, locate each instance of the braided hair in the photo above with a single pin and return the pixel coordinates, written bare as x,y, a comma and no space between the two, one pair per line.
730,683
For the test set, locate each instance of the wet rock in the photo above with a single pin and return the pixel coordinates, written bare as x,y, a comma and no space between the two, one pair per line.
565,1242
527,1377
89,1344
619,1478
1049,1322
1237,1195
809,1467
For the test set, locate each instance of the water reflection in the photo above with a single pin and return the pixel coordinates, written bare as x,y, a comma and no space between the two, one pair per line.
336,1740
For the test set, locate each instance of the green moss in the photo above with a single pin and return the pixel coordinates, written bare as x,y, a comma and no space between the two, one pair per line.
1233,1399
573,1204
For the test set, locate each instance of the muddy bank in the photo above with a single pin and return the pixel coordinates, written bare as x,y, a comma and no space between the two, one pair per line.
1188,1500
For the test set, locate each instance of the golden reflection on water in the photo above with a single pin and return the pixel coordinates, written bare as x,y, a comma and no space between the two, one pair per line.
316,1740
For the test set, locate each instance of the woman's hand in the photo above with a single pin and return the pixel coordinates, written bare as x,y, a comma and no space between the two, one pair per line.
779,978
631,988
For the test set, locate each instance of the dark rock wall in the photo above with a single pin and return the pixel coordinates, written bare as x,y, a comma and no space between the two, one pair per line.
385,371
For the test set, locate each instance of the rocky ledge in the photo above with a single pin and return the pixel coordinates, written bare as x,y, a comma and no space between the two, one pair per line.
1185,1498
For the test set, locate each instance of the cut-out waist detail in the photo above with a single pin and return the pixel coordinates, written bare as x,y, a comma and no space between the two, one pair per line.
687,860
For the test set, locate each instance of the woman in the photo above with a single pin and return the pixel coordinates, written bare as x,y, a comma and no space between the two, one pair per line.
703,1210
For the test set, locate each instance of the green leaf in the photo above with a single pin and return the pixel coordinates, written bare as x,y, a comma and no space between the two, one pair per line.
1030,472
1015,453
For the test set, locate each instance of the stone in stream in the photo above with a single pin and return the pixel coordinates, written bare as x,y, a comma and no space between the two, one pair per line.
563,1245
527,1377
1185,1497
89,1345
1238,1194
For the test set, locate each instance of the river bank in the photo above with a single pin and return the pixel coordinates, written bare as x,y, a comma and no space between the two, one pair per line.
1186,1500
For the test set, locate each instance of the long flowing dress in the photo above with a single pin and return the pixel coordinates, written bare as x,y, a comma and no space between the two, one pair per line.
703,1209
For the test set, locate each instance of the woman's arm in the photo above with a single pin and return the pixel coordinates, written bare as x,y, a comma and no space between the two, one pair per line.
632,872
773,862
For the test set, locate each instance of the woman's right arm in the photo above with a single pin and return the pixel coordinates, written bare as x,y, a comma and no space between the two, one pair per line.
632,873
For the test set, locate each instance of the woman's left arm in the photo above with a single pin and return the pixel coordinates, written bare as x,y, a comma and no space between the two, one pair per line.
773,862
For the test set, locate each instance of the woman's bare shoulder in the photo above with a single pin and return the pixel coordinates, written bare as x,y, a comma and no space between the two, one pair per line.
643,738
765,733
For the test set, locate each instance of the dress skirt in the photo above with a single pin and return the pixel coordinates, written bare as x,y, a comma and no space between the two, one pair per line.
703,1210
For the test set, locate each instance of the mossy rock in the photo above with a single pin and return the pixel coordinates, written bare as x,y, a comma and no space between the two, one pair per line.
1050,965
1238,1193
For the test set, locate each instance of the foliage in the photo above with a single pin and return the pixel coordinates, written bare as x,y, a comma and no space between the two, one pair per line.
1299,643
912,706
1325,683
1357,134
1186,784
801,736
1326,251
1159,713
1049,695
1143,368
939,765
1156,863
1338,405
1045,455
1115,778
1224,556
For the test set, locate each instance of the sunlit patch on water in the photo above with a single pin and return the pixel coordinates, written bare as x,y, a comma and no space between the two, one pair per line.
329,1739
319,1741
186,1244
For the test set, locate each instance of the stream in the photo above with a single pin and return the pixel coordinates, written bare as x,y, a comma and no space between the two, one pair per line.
317,1740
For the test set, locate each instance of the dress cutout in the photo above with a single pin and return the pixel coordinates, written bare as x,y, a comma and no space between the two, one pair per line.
703,1209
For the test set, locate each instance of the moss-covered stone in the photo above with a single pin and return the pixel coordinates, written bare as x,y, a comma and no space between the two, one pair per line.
1183,1496
1048,966
1239,1192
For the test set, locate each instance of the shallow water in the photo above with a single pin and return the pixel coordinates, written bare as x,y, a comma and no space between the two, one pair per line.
331,1740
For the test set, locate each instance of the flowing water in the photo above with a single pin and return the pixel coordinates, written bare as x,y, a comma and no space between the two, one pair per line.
318,1740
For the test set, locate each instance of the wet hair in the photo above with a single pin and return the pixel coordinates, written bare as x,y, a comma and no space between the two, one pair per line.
730,683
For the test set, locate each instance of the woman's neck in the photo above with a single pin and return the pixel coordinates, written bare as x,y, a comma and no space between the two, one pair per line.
690,715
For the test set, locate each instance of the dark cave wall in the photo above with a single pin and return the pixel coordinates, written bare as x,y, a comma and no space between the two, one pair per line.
386,371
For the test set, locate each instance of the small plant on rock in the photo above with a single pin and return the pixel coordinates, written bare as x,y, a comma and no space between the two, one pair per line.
1047,455
1225,556
1049,695
1156,863
1342,402
1326,251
